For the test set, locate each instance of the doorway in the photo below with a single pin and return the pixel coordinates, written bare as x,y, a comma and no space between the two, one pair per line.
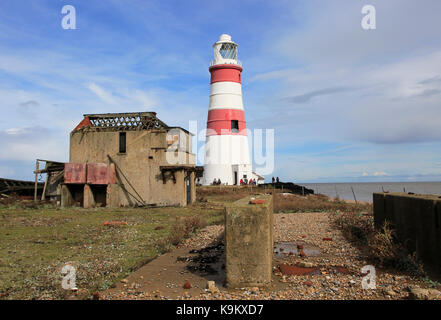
188,187
77,194
99,195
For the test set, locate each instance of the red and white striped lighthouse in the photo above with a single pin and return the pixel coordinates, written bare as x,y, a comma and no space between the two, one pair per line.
226,149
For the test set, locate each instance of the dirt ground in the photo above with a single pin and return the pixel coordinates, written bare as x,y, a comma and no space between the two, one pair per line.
331,268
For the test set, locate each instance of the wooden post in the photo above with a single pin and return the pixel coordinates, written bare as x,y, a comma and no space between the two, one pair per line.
43,195
36,180
354,195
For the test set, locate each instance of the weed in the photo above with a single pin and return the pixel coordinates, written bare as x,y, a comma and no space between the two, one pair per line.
381,245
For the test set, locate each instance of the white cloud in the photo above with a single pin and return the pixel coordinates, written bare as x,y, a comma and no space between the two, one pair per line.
101,93
30,143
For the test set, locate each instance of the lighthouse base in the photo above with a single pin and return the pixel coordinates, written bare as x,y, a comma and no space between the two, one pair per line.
228,174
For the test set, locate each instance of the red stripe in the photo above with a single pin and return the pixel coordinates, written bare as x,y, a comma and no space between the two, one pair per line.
219,122
225,72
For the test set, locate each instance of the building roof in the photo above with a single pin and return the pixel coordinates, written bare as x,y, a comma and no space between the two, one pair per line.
259,177
123,122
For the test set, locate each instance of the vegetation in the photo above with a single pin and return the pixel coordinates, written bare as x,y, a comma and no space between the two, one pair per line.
381,246
314,203
219,194
36,241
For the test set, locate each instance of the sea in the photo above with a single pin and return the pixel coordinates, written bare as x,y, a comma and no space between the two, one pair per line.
363,191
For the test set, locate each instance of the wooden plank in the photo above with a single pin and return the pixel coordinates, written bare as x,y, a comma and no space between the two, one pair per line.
36,180
43,194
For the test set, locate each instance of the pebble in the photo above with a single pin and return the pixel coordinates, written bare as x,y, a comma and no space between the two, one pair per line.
328,284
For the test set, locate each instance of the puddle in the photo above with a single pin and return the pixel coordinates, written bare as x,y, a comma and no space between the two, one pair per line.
341,269
285,249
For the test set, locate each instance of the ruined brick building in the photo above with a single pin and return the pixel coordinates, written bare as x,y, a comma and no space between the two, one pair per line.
128,159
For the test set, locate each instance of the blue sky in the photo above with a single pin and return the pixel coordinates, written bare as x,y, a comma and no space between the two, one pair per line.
346,104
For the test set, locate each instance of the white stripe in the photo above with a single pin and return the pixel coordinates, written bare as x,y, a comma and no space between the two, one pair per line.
226,87
226,101
226,95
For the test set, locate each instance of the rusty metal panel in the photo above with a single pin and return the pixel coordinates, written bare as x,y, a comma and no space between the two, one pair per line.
75,173
97,173
111,174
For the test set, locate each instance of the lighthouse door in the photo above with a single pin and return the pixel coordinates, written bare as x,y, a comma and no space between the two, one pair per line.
235,178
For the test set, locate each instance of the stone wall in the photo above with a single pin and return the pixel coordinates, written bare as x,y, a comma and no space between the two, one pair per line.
249,241
417,223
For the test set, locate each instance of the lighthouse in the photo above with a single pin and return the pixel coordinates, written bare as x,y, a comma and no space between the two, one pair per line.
226,148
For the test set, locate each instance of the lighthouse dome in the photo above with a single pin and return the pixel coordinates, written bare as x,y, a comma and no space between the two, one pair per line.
225,37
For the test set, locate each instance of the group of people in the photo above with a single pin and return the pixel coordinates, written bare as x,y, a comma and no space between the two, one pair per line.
275,180
245,181
217,182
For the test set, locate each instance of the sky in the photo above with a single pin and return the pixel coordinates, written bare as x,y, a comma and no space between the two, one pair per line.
346,104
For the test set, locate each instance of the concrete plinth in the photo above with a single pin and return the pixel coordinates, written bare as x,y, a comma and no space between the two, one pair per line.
249,240
66,196
416,220
89,201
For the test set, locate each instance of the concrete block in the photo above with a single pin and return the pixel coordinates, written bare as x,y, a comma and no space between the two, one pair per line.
379,209
66,197
403,212
249,241
417,223
112,196
427,232
88,200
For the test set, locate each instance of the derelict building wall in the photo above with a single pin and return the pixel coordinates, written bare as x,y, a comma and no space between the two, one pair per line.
138,167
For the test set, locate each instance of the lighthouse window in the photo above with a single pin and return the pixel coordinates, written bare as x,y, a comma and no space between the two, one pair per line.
235,126
228,51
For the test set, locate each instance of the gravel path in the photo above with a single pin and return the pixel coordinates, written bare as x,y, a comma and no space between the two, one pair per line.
338,268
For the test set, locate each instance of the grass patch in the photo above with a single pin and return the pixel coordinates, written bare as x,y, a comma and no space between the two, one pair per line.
184,228
225,193
36,242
